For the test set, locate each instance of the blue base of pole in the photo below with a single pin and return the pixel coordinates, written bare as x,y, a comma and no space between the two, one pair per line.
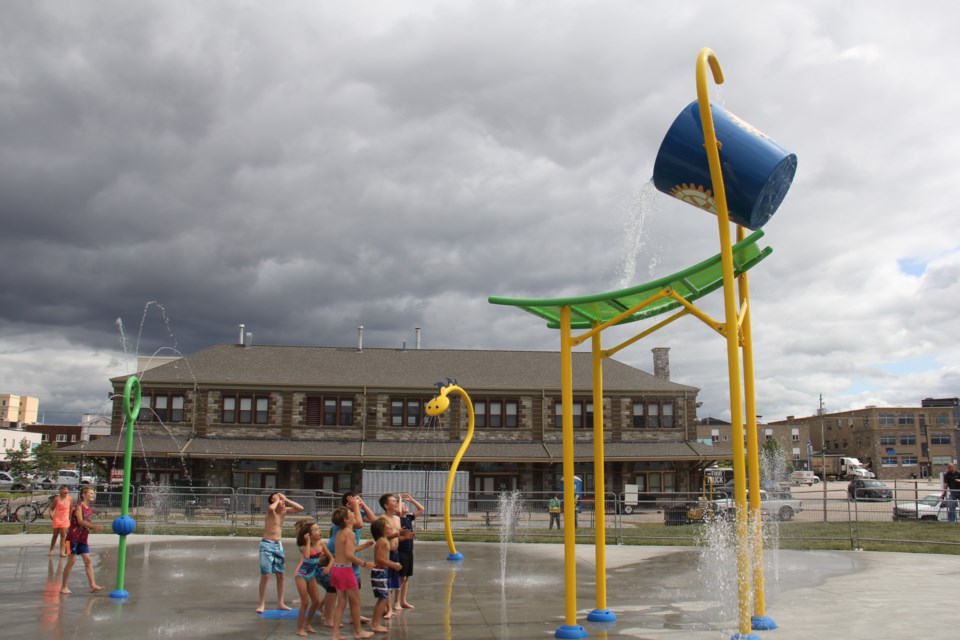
279,614
762,623
570,631
744,636
120,593
602,615
455,556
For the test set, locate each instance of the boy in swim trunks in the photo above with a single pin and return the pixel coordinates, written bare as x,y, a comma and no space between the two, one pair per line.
405,548
381,530
341,573
271,547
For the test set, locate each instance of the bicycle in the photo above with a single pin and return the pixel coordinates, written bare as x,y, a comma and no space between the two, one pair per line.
27,512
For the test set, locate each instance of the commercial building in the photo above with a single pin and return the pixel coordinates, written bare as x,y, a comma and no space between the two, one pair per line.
314,417
893,442
17,410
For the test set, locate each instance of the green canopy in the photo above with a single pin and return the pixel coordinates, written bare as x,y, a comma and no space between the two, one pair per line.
691,283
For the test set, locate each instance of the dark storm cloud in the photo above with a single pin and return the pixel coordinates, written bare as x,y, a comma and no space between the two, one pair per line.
309,168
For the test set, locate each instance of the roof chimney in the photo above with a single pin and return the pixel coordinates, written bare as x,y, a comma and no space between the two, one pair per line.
360,338
661,362
417,329
242,327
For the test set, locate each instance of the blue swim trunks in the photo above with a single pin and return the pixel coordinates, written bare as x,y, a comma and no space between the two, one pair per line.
378,580
271,557
393,576
79,548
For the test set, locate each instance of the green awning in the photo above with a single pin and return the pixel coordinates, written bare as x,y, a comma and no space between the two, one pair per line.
691,283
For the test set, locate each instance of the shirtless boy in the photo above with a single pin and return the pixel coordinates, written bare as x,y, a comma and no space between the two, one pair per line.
381,530
341,573
271,547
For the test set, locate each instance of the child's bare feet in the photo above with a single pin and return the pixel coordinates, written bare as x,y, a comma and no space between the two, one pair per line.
283,607
397,607
301,633
95,587
261,609
364,620
389,614
309,629
380,629
363,634
66,591
50,553
407,605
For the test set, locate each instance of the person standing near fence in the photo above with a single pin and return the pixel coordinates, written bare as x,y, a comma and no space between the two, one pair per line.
405,546
554,509
271,547
60,514
951,491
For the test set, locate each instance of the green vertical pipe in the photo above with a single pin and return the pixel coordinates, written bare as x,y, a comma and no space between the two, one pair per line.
130,408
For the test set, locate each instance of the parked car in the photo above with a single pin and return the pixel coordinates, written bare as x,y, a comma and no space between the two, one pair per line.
8,483
69,477
867,489
930,507
771,507
774,488
804,477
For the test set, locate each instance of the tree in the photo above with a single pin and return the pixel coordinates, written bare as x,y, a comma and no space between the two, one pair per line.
21,464
45,463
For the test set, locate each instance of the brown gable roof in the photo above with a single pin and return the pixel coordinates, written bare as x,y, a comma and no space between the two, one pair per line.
265,365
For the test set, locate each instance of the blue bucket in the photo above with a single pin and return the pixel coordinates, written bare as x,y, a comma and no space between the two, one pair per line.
757,172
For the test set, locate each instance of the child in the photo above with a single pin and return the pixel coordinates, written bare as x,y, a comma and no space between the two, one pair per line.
80,526
391,509
341,573
271,548
381,530
405,548
312,550
60,514
352,501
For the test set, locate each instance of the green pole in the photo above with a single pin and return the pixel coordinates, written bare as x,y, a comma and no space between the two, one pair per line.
124,525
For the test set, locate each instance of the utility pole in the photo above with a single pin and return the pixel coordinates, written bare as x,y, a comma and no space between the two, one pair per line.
823,459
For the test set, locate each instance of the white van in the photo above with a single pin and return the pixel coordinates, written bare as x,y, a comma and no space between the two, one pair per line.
803,477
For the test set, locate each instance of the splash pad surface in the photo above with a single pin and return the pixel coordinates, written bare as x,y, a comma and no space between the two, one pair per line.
207,588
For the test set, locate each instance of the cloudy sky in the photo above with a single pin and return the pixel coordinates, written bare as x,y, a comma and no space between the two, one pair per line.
307,167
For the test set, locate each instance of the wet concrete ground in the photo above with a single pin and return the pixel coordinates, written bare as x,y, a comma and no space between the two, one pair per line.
184,587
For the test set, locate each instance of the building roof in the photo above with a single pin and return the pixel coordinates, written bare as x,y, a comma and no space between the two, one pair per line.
484,370
377,451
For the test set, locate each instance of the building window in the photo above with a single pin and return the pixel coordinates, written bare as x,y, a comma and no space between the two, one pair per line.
888,419
908,438
582,414
941,459
158,407
886,441
61,437
495,413
330,412
43,438
941,419
238,409
905,418
73,437
908,461
795,435
888,462
653,415
940,438
406,412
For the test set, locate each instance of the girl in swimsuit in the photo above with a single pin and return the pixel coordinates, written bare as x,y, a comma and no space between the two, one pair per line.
312,550
60,514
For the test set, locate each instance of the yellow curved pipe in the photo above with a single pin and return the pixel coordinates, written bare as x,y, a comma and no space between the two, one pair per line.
708,58
436,407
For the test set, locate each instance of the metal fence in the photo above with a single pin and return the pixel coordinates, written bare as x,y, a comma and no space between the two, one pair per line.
820,512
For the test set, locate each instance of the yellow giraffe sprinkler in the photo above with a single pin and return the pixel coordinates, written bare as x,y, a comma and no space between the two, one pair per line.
436,407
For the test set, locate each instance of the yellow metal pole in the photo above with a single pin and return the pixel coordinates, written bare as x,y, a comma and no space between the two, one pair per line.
601,613
706,58
570,629
760,620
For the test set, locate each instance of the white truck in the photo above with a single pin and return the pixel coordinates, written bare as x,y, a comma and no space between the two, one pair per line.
834,467
771,508
69,477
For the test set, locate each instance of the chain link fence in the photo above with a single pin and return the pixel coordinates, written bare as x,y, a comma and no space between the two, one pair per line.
822,512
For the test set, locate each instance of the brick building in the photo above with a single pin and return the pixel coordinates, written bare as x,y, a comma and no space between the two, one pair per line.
315,417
